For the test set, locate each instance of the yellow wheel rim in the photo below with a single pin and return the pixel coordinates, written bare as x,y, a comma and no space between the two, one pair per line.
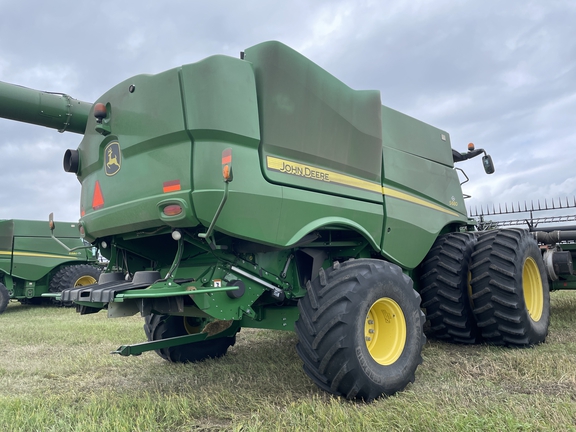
385,331
85,280
532,287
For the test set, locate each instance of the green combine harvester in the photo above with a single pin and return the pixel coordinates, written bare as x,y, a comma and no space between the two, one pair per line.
263,192
33,262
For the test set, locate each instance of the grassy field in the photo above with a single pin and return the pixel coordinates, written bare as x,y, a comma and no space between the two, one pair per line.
56,374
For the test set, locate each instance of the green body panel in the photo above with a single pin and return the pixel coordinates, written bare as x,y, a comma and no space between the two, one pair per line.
29,256
309,117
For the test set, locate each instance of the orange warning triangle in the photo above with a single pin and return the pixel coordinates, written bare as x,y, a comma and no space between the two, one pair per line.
97,198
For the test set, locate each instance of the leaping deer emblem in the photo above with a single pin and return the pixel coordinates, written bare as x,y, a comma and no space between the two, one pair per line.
113,158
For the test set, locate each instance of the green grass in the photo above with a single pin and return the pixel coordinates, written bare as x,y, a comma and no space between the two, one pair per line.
56,374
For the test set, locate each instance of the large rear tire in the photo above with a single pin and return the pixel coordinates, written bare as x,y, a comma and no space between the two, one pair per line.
445,289
4,298
73,276
360,329
510,288
159,327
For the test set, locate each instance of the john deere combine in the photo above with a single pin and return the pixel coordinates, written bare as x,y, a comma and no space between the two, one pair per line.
33,263
262,192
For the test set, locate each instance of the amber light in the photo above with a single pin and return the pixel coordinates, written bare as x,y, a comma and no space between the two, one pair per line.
227,165
171,186
172,210
470,146
100,112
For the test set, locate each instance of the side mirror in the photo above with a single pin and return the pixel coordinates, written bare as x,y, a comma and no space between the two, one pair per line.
488,164
51,223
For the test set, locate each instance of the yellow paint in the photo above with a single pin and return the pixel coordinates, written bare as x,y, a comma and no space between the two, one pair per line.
314,173
37,255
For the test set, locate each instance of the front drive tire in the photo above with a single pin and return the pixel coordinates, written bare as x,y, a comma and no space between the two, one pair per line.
510,288
159,327
360,329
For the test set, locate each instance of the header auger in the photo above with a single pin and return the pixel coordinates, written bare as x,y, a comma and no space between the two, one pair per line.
263,192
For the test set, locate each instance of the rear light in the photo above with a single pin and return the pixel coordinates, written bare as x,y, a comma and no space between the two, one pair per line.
172,210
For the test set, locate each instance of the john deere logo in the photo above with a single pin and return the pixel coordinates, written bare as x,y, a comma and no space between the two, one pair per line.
113,158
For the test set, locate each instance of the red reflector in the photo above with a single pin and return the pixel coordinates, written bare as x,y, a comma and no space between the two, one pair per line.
171,186
226,156
97,198
172,210
82,212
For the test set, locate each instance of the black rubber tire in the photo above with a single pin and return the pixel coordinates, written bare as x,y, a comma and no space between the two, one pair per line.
72,276
506,267
4,298
445,289
159,327
333,322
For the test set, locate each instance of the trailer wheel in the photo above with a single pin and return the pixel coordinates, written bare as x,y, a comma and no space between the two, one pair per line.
159,327
73,276
360,329
446,291
510,288
4,298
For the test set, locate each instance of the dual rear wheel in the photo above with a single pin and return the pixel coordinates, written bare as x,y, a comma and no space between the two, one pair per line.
490,287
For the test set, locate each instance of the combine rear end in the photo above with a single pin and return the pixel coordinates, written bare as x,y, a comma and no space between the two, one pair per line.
263,192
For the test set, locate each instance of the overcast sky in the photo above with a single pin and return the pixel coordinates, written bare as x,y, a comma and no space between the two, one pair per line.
501,74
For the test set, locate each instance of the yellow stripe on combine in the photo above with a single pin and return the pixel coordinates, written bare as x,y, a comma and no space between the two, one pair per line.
314,173
37,255
410,198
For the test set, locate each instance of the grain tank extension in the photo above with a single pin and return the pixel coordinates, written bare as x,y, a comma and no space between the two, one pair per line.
263,192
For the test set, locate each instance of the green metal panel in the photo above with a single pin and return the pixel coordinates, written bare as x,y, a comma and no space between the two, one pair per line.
6,242
28,252
413,136
34,257
153,148
313,123
219,96
422,193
